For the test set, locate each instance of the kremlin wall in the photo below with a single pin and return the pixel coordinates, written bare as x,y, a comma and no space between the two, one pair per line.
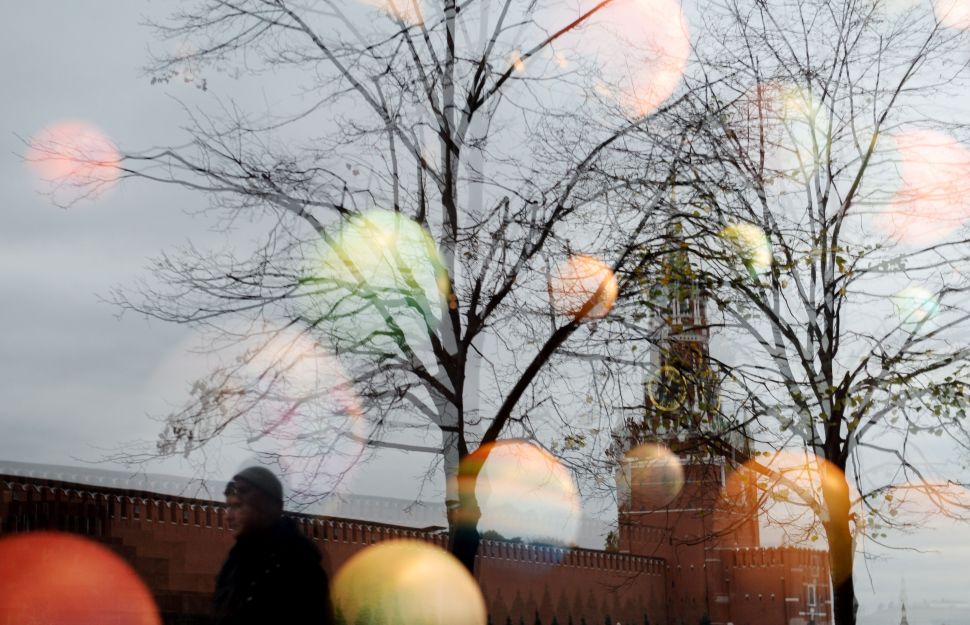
177,544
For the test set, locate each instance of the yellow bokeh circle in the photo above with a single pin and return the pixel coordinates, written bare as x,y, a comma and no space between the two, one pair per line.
406,581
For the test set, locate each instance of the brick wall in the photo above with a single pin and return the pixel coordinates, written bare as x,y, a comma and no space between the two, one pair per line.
178,544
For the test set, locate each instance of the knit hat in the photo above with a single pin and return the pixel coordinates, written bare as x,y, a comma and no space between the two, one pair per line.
263,480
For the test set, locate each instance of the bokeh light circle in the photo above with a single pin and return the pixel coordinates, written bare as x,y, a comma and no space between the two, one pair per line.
380,265
73,159
407,12
953,13
916,309
790,487
406,581
583,287
806,127
750,244
649,478
796,477
787,123
644,54
63,579
305,414
524,492
933,197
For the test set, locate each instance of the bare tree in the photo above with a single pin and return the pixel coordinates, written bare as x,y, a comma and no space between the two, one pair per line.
447,206
823,204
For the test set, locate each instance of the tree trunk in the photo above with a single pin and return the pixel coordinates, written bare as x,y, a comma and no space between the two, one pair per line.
835,492
463,536
843,602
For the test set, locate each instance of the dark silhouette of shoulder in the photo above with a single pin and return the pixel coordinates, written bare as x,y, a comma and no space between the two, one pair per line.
273,576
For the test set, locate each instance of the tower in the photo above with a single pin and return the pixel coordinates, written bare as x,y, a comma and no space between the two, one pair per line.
671,480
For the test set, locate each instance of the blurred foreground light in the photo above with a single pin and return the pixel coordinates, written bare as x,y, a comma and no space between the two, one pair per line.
916,309
797,490
651,477
953,13
62,579
583,287
785,121
798,477
379,280
406,582
646,54
933,198
302,401
523,492
407,12
750,244
72,160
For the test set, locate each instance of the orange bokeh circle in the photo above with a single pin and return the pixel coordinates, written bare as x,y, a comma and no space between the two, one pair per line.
583,287
60,579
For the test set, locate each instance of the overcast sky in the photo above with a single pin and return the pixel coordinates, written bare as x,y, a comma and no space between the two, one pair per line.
75,378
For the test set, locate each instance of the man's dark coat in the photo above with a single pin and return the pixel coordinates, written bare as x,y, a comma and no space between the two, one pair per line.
272,576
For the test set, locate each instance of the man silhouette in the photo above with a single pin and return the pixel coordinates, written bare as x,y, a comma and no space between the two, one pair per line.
273,572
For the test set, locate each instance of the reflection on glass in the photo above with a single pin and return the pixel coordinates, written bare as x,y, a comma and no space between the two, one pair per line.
378,282
73,159
404,582
525,493
933,198
583,287
62,579
654,473
751,246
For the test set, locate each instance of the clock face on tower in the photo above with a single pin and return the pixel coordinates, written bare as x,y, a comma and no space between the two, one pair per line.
667,390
